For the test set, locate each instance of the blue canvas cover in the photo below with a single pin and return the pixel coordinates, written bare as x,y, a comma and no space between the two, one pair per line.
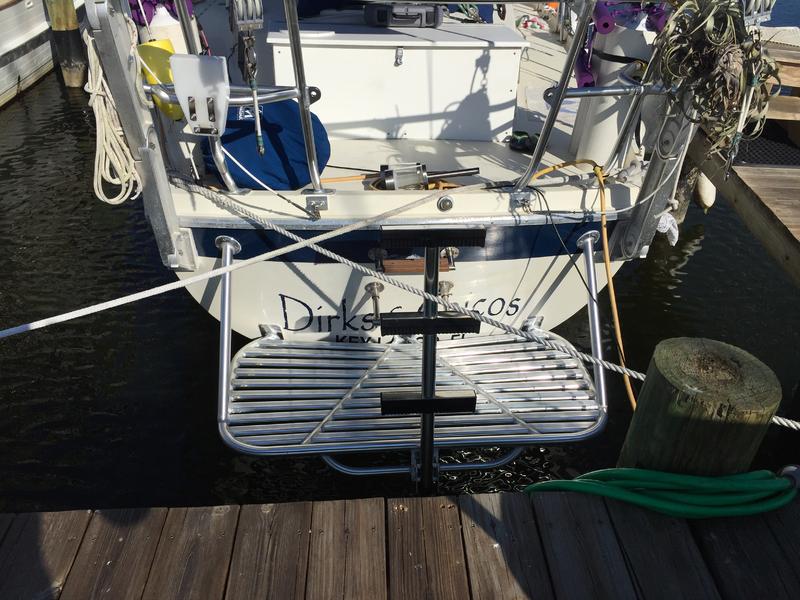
283,165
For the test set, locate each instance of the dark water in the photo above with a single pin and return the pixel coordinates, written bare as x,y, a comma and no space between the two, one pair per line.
119,409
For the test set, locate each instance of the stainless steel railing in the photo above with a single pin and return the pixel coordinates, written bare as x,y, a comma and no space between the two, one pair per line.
235,413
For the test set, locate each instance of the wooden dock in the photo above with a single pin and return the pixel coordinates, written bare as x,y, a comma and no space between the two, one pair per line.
495,546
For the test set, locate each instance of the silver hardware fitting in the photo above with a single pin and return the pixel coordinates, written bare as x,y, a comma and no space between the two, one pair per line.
374,289
451,253
445,289
271,332
444,203
184,256
245,16
533,323
521,199
398,57
226,239
376,255
416,466
589,235
316,201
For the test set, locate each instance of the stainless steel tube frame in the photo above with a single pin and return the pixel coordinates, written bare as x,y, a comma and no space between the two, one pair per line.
186,26
222,166
560,93
228,247
623,139
293,28
586,243
401,470
240,95
614,90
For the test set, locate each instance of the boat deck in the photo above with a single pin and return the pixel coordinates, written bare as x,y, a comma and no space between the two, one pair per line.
560,545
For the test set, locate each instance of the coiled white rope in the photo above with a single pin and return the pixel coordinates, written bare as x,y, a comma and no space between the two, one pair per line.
113,162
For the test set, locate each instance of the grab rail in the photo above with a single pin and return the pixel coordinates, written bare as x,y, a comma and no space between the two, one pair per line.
586,243
544,137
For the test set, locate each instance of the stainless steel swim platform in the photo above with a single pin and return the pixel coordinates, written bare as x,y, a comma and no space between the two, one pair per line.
293,398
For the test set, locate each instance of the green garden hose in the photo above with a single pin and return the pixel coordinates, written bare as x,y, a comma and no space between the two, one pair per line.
686,496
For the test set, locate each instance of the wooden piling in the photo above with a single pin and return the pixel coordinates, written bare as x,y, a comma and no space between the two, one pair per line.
69,49
704,409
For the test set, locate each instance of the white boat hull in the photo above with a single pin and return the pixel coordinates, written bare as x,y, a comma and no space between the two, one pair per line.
328,301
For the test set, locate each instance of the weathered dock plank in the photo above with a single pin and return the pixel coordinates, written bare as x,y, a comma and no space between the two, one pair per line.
193,554
270,559
117,552
784,524
745,558
583,553
560,545
661,553
504,552
37,553
426,554
347,559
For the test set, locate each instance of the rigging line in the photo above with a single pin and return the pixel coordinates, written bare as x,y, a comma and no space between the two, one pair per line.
264,185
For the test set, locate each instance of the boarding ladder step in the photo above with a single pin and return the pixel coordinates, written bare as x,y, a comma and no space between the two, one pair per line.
305,398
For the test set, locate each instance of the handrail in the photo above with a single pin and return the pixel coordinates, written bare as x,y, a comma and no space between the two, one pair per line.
293,28
228,247
544,137
586,243
240,95
186,26
612,90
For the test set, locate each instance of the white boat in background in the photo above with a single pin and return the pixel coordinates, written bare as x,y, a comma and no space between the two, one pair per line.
26,53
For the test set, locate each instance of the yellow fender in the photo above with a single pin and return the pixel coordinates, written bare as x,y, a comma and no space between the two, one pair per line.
155,55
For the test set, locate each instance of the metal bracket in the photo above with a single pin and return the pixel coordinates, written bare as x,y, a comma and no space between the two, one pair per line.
185,251
316,201
416,466
520,199
533,323
377,256
270,332
374,289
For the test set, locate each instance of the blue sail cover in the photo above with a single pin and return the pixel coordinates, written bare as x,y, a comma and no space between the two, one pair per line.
283,165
